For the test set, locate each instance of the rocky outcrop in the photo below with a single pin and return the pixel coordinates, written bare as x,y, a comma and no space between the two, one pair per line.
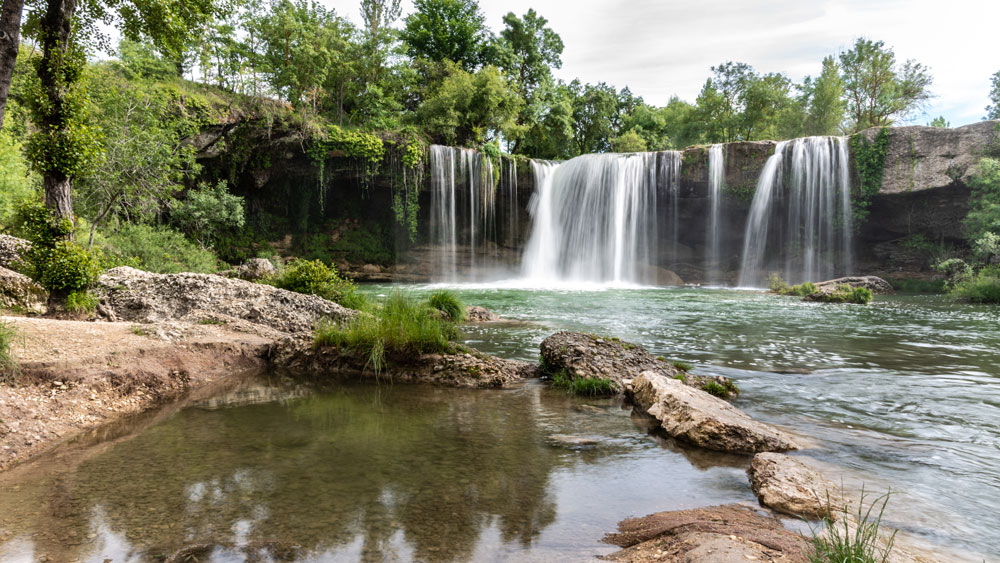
11,249
476,314
256,269
717,534
787,485
697,418
19,292
876,285
133,295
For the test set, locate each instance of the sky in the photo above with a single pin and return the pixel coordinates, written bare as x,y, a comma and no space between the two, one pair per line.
666,48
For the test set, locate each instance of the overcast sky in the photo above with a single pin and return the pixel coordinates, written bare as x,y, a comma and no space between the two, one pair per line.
659,49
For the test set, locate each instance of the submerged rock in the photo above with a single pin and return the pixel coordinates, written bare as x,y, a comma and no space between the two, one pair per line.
720,534
476,314
137,296
787,485
11,249
19,292
875,284
702,420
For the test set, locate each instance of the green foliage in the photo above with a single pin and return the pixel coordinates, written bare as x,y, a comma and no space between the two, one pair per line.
313,277
880,91
906,285
630,141
449,304
843,294
81,302
993,110
8,365
207,212
984,201
157,249
869,157
777,285
400,329
469,109
939,121
16,183
842,544
716,389
983,287
955,269
737,103
446,30
683,366
825,98
586,386
58,264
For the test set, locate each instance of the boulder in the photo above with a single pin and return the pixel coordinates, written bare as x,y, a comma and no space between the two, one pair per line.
787,485
875,284
19,292
138,296
695,417
11,249
475,314
730,533
256,269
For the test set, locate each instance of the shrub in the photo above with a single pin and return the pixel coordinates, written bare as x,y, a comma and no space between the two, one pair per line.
724,389
905,285
983,287
80,302
313,277
8,365
449,304
158,249
401,329
589,386
777,285
683,366
841,544
57,263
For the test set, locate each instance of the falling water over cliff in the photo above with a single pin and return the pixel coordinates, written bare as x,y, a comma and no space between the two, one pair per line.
595,219
802,232
716,177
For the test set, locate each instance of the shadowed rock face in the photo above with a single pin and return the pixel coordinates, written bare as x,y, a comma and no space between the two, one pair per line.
19,292
133,295
789,486
11,249
695,417
588,356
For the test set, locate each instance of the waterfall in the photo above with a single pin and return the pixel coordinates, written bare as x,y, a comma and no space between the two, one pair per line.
814,242
595,219
716,177
463,212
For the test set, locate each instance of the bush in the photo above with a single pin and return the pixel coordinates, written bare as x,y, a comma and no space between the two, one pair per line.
158,249
777,285
313,277
8,365
449,304
588,386
81,302
983,287
905,285
841,544
401,329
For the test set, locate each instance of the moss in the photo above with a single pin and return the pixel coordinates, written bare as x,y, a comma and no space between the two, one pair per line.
869,158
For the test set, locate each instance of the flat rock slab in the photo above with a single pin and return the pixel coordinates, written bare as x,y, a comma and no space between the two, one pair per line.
695,417
787,485
875,284
719,534
133,295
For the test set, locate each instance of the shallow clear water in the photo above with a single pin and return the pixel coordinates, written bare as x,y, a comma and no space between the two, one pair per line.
902,393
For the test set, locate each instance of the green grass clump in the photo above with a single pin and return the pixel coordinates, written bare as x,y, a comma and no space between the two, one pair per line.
779,286
588,386
8,365
844,294
840,544
683,366
80,302
983,287
402,328
449,304
722,390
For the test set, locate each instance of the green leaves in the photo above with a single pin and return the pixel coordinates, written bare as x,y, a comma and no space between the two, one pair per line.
879,91
446,30
870,161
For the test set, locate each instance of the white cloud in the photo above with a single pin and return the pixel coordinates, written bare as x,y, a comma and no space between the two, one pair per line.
661,48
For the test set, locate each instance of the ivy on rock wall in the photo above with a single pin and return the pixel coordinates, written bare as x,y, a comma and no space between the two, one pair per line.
869,159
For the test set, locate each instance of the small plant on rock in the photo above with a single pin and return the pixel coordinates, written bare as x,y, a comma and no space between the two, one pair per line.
449,304
839,543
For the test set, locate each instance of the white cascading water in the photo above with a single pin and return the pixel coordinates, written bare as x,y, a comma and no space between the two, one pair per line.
814,243
595,220
716,177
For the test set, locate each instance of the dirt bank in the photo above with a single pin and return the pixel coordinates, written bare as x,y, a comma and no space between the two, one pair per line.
78,375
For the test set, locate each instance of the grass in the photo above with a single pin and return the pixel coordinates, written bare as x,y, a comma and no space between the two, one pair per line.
80,302
401,328
721,390
8,365
844,294
211,322
840,544
779,286
449,304
588,386
983,287
683,366
138,330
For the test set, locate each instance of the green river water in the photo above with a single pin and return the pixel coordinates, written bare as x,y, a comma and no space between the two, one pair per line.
903,393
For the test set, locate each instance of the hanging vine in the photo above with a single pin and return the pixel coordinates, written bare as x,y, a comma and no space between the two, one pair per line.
869,157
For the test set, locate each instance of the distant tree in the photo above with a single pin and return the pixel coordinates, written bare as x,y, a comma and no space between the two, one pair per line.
993,110
939,121
551,135
630,141
825,95
736,103
594,111
878,90
206,212
447,30
469,109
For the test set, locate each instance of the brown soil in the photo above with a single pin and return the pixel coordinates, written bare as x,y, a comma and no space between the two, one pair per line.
78,375
718,534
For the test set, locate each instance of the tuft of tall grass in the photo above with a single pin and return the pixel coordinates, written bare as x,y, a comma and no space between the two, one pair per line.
401,328
589,386
841,544
449,304
8,365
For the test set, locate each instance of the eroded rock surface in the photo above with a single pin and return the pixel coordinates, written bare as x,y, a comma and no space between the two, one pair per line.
476,314
875,284
719,534
787,485
133,295
19,292
255,269
11,249
695,417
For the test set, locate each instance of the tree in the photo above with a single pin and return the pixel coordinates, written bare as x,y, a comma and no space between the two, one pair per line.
878,90
939,121
825,97
630,141
206,212
992,110
551,135
469,109
984,201
736,103
446,30
10,41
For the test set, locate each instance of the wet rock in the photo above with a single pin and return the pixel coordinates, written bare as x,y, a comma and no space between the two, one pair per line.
573,441
787,485
475,314
720,534
136,296
256,269
19,292
11,249
695,417
875,284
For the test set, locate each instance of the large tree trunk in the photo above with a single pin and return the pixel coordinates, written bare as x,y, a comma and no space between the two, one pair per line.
56,30
10,37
